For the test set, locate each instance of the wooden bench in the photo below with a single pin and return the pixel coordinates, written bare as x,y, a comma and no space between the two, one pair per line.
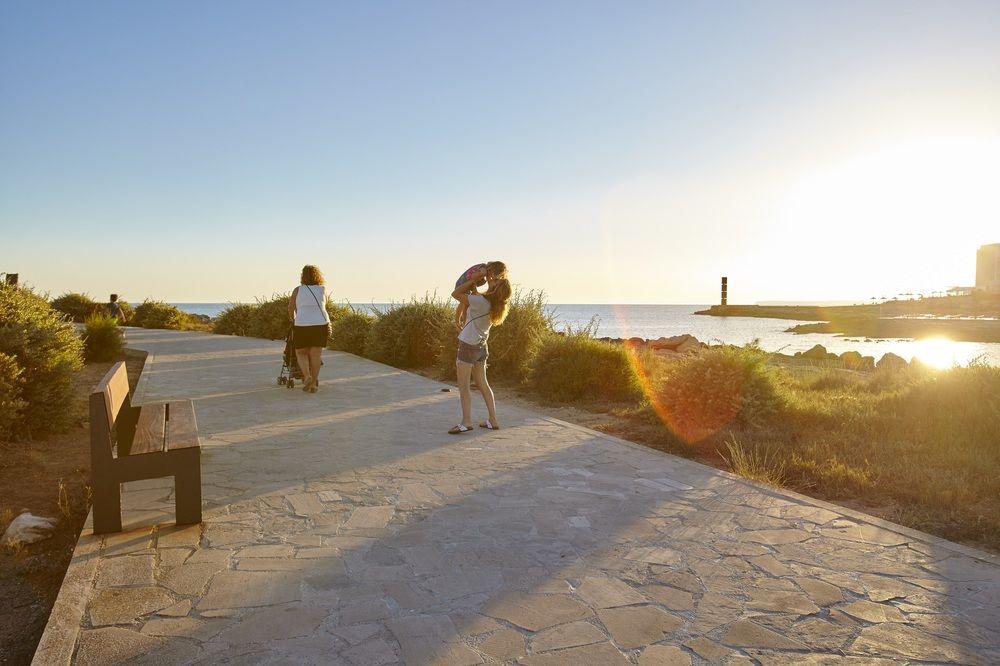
133,443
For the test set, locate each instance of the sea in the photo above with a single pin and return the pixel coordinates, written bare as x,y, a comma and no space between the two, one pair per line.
653,321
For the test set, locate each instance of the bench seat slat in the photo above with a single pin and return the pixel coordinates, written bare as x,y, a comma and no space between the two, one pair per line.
182,429
150,430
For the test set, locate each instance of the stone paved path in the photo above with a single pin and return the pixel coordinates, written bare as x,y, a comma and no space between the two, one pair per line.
347,528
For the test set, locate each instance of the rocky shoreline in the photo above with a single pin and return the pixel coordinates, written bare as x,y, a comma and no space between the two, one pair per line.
679,345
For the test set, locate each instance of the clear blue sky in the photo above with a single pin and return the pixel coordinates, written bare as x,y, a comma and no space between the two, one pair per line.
609,152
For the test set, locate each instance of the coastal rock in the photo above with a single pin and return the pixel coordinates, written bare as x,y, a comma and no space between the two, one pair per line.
818,352
868,363
689,346
851,359
636,343
891,362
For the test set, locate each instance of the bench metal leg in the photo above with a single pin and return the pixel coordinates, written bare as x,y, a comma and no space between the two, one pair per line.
187,491
107,506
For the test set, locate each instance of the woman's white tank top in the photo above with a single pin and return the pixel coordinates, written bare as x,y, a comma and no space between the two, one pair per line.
309,311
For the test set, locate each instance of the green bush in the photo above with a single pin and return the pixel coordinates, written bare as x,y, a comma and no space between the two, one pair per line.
575,366
270,320
75,306
719,387
127,310
11,404
48,352
513,344
350,332
236,319
102,339
408,335
157,314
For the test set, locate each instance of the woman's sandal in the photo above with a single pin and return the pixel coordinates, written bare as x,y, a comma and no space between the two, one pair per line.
488,426
459,429
307,384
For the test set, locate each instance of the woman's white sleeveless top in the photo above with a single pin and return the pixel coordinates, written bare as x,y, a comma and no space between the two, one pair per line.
309,311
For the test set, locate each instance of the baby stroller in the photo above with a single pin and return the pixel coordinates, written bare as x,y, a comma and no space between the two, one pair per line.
290,370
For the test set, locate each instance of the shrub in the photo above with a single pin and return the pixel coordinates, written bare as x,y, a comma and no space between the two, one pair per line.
236,319
575,366
11,404
513,344
270,320
157,314
127,310
760,461
102,339
48,353
75,306
350,332
718,387
408,335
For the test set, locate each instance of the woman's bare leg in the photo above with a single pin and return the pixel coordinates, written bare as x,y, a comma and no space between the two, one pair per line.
465,393
479,370
303,357
315,363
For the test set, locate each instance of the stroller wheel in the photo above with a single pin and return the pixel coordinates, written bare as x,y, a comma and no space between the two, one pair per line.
291,383
282,380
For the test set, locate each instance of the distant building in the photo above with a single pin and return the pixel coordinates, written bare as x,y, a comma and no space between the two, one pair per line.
961,291
988,268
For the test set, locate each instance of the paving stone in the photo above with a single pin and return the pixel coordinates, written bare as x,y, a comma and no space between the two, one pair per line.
356,633
872,612
469,624
267,550
189,579
600,654
672,598
567,635
179,536
902,641
123,605
114,645
272,624
305,504
748,634
771,565
426,639
638,626
780,601
290,564
864,534
655,555
370,517
180,609
664,655
708,649
373,653
681,580
200,629
504,645
535,612
125,570
602,592
240,589
822,594
773,537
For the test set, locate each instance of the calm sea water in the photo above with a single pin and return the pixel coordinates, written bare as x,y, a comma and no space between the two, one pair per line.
653,321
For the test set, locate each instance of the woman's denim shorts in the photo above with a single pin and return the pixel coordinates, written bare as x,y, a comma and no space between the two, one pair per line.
472,353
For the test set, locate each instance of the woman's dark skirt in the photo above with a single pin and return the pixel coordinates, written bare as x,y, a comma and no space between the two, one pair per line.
310,336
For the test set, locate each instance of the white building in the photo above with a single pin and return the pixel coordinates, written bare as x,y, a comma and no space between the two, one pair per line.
988,268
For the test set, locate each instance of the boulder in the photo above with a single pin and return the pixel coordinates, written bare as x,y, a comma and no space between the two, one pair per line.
689,346
818,352
851,359
867,363
636,343
673,342
891,362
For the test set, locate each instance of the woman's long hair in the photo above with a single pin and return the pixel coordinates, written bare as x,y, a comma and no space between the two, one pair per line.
311,275
499,298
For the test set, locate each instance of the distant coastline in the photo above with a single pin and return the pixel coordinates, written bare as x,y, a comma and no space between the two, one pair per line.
973,318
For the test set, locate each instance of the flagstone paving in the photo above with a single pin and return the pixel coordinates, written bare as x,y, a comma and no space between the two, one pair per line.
347,527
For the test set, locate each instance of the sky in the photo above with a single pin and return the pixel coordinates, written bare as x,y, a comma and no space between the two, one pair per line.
608,152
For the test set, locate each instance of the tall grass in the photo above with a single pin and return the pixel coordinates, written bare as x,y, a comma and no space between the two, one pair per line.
75,306
576,367
409,335
236,319
47,351
157,314
350,332
102,339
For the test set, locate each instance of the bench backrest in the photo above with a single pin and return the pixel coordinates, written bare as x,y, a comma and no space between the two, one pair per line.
106,403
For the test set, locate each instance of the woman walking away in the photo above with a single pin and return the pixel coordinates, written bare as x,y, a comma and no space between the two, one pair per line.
311,324
482,312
